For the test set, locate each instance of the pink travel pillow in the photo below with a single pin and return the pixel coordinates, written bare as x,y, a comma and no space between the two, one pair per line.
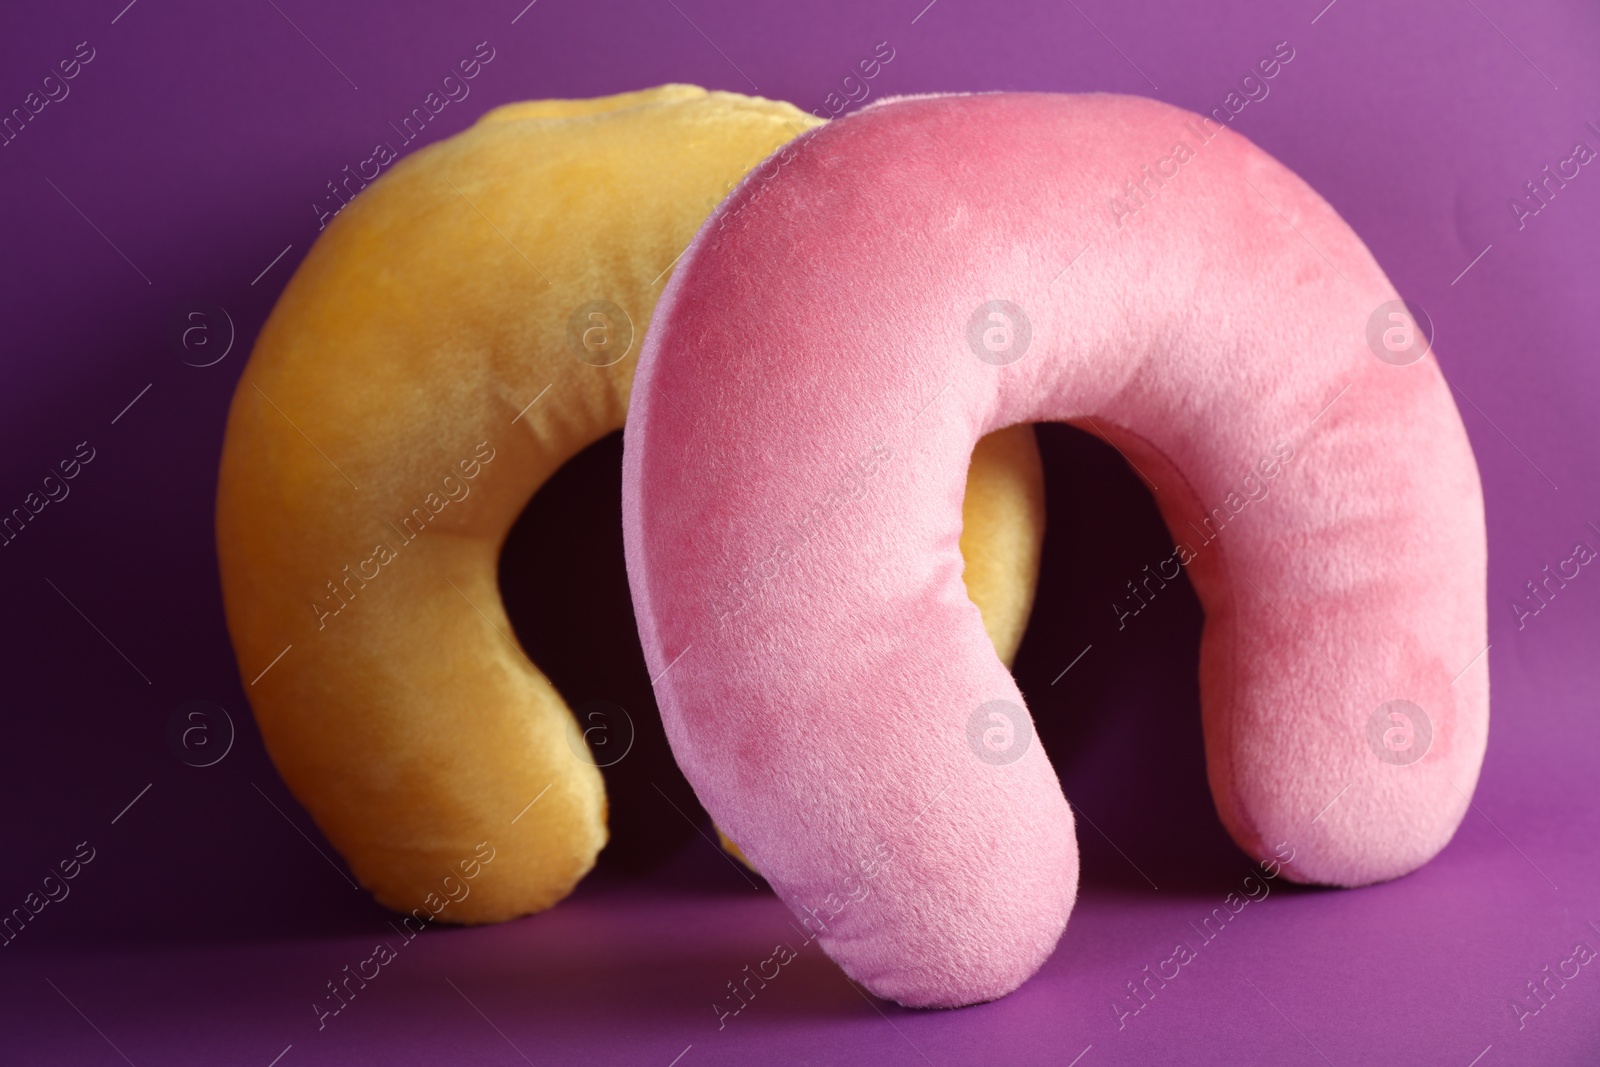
898,283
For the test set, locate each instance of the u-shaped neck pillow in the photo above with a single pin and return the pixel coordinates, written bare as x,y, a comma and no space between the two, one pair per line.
464,327
928,270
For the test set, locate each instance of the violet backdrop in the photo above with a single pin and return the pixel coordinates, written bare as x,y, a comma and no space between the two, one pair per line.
180,172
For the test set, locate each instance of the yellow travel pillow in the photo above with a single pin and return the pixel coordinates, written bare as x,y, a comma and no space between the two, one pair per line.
464,327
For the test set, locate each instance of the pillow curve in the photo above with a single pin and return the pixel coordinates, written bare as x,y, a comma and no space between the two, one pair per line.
926,270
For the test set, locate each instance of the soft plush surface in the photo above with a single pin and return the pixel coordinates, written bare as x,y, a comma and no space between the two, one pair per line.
1002,530
418,381
829,322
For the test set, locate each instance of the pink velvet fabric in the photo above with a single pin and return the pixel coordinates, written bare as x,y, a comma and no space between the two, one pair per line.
811,388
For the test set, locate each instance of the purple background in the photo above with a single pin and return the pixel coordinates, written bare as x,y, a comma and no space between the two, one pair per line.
196,141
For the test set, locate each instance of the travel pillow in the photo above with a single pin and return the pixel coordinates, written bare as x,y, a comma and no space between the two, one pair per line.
928,270
464,326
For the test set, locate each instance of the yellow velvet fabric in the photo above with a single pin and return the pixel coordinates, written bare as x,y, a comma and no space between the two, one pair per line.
428,367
